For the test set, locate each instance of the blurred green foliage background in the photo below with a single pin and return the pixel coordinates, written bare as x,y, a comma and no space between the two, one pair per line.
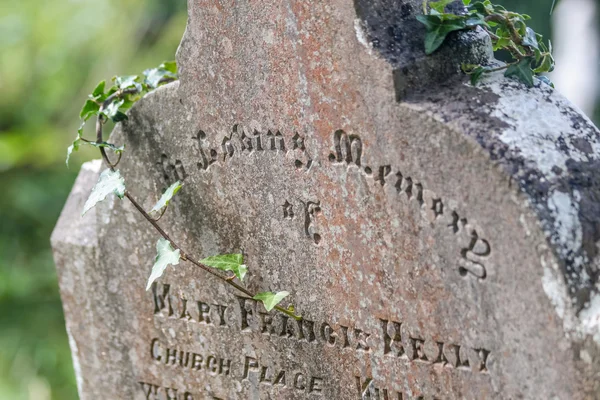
53,54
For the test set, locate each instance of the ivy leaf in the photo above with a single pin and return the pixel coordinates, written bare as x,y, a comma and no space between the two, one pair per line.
547,65
228,262
165,256
166,197
270,300
476,75
522,71
440,6
89,109
466,2
547,81
170,66
76,143
119,116
128,81
112,110
530,39
155,75
109,182
438,29
99,90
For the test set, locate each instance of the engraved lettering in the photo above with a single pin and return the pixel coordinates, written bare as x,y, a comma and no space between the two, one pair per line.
361,339
311,208
266,323
276,140
203,312
244,312
440,358
392,341
288,210
437,207
249,364
483,355
161,301
299,381
384,171
418,349
348,149
316,385
221,312
149,389
207,157
185,314
280,379
327,334
471,255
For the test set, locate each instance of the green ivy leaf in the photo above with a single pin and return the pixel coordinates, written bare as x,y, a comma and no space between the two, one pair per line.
546,65
99,90
271,300
476,75
522,71
89,109
119,116
164,257
166,197
438,29
228,262
109,182
170,66
440,6
466,2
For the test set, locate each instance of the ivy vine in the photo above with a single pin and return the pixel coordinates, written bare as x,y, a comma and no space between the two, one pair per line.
508,31
112,104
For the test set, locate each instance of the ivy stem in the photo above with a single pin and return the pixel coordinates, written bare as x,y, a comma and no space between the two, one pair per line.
183,255
489,71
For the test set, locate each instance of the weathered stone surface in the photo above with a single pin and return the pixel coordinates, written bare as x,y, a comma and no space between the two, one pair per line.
440,240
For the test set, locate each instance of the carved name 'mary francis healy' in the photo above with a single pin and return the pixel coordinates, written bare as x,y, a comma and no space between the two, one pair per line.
439,240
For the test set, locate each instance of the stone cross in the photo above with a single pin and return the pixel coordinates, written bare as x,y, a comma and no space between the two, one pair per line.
440,240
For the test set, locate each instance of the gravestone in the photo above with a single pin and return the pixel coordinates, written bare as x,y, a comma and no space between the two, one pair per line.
440,240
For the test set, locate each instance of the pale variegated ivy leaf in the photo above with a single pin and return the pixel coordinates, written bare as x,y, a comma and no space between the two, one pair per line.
76,143
166,197
154,76
113,109
271,300
165,256
109,182
228,262
126,82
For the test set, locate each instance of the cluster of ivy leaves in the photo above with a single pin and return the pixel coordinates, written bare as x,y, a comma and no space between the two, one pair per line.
508,31
121,96
112,104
